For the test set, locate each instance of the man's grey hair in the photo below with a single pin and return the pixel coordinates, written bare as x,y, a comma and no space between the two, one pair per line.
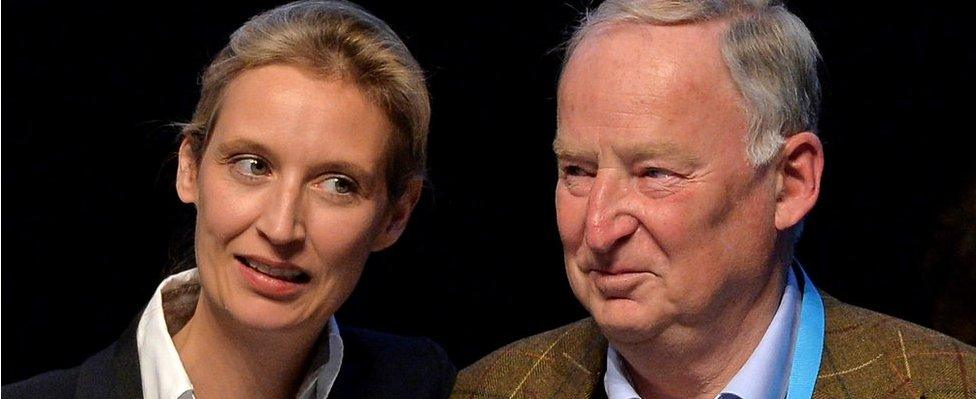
768,50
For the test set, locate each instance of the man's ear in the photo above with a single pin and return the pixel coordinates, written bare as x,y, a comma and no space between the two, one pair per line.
186,174
398,215
800,167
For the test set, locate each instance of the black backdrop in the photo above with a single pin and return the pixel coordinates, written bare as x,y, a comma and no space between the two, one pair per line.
90,217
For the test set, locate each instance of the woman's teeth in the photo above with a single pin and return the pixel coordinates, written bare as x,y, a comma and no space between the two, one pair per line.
284,274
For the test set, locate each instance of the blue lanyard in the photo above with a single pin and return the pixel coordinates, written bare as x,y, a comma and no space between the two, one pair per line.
809,342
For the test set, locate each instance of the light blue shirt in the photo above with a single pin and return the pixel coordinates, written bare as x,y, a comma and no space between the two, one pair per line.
766,373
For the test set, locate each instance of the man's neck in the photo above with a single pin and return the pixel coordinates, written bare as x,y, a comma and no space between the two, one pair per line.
698,361
225,359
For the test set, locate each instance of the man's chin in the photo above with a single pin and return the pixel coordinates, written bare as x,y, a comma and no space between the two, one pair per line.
625,321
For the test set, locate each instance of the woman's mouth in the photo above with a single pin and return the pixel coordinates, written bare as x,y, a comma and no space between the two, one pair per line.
289,274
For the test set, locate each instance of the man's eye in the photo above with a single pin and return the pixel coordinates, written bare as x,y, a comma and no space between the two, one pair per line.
339,185
252,167
573,170
658,173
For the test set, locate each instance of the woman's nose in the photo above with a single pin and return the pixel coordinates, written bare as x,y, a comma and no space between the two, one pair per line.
281,221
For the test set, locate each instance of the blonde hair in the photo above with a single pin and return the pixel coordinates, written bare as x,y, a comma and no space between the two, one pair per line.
334,39
769,52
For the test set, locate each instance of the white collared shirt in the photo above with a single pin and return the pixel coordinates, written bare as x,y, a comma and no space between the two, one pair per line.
766,373
163,375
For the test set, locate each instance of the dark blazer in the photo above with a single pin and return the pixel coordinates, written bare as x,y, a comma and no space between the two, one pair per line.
374,365
865,355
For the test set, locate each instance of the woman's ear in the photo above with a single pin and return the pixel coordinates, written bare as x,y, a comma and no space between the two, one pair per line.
398,215
800,168
186,174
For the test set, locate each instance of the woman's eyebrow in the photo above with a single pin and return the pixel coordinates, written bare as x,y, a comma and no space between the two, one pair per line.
345,167
242,145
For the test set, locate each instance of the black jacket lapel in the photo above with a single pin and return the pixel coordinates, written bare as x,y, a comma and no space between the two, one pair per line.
114,372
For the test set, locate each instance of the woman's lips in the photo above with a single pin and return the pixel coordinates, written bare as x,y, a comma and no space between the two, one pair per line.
270,281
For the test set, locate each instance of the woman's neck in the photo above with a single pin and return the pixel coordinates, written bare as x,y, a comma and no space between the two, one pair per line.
225,359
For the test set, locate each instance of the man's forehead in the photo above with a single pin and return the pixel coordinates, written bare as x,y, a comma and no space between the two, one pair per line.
571,149
647,92
654,41
679,60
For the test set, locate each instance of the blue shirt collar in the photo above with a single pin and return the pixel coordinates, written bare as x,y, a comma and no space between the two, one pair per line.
765,375
767,372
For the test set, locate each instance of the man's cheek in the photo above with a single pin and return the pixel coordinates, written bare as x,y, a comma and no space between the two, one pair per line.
570,220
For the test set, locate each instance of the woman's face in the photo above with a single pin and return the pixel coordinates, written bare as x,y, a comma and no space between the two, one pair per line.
291,197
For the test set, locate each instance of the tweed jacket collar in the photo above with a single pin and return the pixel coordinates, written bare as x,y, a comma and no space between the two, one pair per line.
866,354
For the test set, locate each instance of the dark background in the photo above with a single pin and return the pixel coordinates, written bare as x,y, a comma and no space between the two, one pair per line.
91,219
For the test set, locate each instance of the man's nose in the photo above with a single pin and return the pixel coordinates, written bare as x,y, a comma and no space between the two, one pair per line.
609,214
280,221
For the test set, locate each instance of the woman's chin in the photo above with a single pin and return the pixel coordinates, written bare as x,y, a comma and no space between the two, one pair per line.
272,316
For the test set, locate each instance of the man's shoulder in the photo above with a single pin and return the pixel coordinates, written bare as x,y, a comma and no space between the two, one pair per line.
566,362
869,354
377,364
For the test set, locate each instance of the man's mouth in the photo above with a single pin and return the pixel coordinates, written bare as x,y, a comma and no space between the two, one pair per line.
289,274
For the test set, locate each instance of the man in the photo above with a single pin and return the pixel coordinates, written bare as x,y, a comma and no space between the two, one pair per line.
687,161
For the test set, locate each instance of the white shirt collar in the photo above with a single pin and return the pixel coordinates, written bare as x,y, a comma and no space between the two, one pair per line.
765,375
163,375
319,383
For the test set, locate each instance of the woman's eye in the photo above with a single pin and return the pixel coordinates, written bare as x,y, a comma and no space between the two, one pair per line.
252,167
339,185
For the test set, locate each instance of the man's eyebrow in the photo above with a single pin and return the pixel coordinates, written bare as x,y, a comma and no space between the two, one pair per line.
665,150
562,152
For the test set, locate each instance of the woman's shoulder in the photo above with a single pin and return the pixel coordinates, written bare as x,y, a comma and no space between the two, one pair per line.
386,344
52,384
82,381
111,373
375,364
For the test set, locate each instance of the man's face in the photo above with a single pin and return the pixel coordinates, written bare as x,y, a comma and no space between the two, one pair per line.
665,224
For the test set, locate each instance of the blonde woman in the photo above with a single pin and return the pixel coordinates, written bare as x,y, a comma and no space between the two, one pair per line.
304,155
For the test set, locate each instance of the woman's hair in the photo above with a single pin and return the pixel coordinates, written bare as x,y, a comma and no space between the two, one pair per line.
332,39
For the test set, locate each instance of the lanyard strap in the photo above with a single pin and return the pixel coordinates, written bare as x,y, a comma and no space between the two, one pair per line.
809,341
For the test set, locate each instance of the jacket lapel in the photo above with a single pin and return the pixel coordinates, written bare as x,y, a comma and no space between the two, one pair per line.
125,365
114,372
570,365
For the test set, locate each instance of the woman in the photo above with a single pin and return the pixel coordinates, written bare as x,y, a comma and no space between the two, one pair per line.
305,154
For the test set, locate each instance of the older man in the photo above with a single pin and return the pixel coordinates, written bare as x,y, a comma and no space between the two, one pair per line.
687,161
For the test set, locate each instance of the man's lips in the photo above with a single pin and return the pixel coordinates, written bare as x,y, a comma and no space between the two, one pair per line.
618,283
275,269
615,271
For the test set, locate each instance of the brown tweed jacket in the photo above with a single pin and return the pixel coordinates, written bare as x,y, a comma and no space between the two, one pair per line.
866,355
